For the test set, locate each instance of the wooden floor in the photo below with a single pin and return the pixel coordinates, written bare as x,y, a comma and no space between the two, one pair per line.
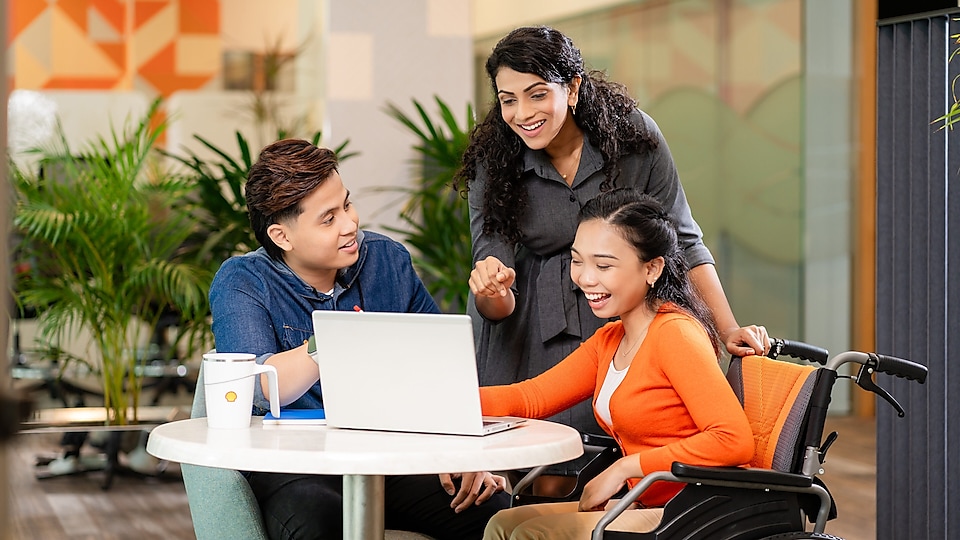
135,508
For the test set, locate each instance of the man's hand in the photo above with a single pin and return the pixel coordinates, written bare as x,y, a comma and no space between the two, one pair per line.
475,488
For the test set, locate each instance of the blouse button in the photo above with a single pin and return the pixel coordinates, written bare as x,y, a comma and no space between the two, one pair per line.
573,198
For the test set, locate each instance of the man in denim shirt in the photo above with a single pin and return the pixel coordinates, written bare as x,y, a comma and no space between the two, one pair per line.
314,256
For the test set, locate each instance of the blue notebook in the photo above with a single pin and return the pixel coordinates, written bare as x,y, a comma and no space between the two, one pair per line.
300,417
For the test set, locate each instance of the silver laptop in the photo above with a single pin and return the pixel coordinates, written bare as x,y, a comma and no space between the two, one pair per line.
410,372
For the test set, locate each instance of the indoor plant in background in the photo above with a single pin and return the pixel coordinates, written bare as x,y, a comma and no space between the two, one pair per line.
103,230
435,213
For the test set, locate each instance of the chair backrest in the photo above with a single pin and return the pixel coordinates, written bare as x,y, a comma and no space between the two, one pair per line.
199,408
776,396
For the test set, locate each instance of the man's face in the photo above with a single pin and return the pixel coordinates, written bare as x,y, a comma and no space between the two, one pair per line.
322,239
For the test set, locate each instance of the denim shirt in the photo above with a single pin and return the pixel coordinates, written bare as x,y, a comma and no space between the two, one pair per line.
261,306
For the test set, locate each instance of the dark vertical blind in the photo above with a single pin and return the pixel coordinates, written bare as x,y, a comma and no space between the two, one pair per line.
918,279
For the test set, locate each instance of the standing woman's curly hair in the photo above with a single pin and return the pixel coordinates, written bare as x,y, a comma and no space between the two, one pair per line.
642,222
603,113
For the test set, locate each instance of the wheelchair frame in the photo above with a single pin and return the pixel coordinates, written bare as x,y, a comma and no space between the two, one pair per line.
713,505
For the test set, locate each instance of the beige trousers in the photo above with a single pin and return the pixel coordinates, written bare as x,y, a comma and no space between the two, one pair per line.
562,521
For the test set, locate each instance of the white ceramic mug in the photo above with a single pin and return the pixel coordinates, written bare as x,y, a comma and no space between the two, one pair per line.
228,387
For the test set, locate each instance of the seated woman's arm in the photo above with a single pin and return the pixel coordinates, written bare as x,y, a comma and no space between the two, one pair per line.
557,389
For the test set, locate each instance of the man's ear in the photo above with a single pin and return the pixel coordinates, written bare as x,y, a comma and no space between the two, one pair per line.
278,234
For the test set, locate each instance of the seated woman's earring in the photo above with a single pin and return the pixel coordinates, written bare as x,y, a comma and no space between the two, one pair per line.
574,109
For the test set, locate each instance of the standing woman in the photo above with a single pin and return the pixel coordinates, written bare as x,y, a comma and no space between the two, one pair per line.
556,137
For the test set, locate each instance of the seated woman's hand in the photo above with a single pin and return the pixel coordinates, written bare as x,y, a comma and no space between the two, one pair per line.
746,340
475,488
598,492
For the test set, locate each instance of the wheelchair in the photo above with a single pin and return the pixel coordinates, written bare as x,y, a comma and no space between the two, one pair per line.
780,492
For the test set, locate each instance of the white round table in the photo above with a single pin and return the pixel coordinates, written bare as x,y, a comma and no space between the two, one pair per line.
362,457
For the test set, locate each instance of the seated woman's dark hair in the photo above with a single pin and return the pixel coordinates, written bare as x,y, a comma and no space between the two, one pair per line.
643,223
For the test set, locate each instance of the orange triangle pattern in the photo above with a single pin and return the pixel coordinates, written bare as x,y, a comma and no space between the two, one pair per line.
81,83
115,51
161,63
75,10
199,17
112,11
160,72
144,10
22,14
167,83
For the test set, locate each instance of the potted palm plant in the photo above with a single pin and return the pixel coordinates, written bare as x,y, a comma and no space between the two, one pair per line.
103,231
435,213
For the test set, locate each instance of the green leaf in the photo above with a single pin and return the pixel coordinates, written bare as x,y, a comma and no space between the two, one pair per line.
436,216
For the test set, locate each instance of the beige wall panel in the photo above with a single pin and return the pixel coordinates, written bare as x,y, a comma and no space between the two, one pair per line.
350,66
253,24
198,55
447,19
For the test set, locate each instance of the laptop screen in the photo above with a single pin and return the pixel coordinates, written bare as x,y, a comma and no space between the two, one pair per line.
398,371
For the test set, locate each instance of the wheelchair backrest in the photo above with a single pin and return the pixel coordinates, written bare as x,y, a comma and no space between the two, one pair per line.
776,397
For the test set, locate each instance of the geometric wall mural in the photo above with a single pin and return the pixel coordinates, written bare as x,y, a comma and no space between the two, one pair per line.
154,46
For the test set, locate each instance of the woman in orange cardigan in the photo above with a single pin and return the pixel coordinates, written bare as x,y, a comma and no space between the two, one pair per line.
653,376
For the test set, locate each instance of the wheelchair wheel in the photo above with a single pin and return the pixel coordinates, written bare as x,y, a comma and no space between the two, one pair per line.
802,536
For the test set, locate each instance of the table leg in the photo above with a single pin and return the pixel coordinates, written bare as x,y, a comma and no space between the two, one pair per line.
363,507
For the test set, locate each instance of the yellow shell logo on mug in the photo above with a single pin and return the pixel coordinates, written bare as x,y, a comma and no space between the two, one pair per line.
231,396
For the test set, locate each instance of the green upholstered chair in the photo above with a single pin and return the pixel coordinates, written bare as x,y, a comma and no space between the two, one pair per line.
221,502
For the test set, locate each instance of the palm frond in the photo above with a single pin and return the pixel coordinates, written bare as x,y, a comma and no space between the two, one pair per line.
435,215
100,241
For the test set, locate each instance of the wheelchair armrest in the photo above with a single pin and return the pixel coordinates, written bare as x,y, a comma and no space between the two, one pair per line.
740,474
598,441
607,452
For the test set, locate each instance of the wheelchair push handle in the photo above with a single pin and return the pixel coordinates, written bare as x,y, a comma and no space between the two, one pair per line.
899,367
797,349
890,365
873,362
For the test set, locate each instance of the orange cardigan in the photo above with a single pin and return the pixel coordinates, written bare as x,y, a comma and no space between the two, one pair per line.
673,405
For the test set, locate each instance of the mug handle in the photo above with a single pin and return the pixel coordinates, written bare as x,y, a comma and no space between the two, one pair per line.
274,387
